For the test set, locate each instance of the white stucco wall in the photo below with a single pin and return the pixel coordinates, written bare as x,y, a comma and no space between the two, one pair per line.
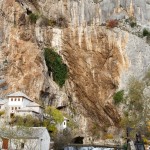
2,107
42,143
24,113
62,126
45,141
29,144
14,103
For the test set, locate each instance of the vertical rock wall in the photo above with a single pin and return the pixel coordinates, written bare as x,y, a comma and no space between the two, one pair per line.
100,60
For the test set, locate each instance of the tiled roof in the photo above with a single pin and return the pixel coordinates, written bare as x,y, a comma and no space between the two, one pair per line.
3,101
23,133
19,94
33,104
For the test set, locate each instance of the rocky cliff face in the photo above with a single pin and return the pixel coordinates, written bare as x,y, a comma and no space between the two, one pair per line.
100,60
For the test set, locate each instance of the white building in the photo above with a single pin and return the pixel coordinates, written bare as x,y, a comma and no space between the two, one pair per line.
34,138
16,101
2,104
19,103
63,125
36,107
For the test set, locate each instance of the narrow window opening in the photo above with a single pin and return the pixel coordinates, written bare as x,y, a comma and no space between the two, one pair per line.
5,144
22,145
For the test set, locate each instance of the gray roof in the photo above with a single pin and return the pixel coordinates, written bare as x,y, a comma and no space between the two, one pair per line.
22,132
33,104
19,94
27,109
3,101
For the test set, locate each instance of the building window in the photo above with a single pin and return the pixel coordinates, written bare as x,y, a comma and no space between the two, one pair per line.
5,143
11,99
15,108
15,99
64,123
0,107
11,115
18,99
12,108
18,107
22,145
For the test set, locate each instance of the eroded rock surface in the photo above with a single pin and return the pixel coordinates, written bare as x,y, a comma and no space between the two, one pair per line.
100,60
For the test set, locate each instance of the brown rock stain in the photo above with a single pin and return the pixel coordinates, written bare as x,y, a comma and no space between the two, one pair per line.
95,71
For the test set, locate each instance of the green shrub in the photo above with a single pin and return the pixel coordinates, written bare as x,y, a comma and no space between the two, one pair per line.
125,147
133,24
135,94
47,22
108,136
146,32
131,21
96,1
1,113
118,97
33,18
54,117
56,66
62,22
27,121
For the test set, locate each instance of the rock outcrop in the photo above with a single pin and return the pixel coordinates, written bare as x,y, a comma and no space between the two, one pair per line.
100,60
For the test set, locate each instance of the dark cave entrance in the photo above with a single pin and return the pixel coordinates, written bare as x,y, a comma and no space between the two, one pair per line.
78,140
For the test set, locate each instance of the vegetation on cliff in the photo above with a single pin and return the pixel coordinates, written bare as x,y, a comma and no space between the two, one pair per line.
146,32
136,110
53,118
33,18
26,121
1,113
55,65
118,97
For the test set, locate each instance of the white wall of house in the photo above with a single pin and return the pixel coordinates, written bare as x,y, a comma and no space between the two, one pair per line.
16,103
2,107
28,144
38,143
24,113
42,143
45,140
63,125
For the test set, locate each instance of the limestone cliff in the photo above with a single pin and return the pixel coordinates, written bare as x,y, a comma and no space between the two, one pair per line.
100,60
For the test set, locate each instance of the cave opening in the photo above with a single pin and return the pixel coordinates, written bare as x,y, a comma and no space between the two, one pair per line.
28,11
78,140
